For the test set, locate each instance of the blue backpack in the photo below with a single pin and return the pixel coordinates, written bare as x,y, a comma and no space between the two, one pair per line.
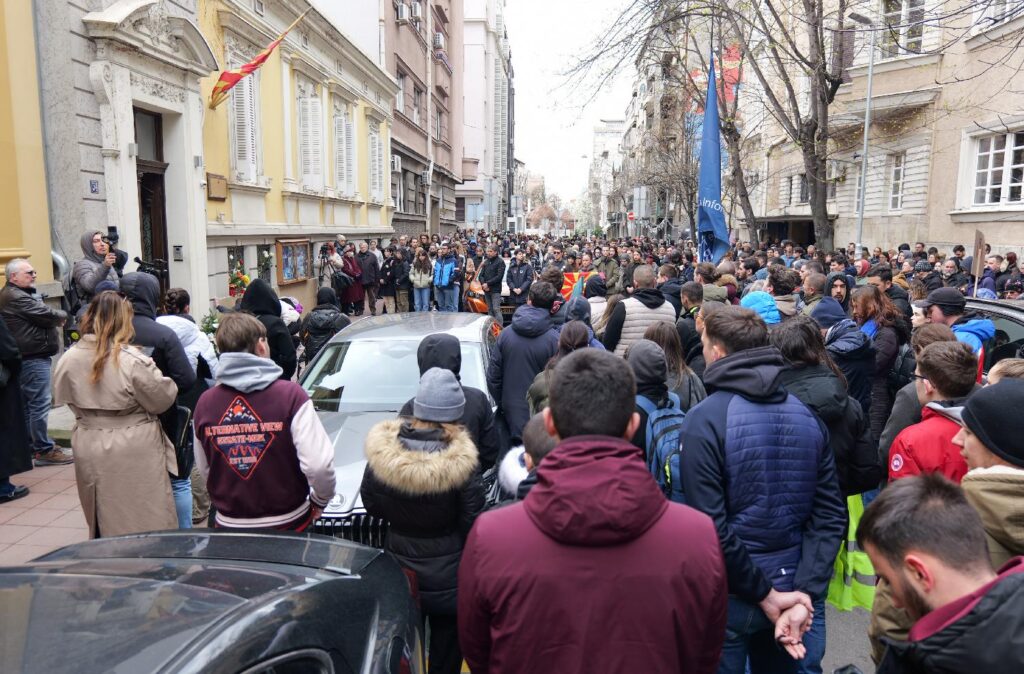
664,444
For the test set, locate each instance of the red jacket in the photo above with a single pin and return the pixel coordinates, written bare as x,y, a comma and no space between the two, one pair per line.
594,572
927,447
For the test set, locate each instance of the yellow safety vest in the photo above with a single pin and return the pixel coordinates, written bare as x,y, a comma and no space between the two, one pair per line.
853,583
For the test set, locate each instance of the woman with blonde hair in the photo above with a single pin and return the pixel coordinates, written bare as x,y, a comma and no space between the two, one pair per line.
122,457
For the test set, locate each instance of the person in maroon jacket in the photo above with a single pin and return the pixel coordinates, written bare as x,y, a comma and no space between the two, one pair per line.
595,571
265,456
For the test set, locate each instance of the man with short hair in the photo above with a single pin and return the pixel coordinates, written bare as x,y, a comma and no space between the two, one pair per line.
277,474
522,351
447,275
758,462
554,583
781,284
880,276
944,378
814,290
918,248
691,296
371,277
34,327
608,267
490,274
947,306
632,316
928,544
669,285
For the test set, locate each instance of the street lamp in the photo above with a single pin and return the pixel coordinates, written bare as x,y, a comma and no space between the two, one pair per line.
865,21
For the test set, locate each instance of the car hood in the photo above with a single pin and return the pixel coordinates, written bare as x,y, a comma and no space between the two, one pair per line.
347,431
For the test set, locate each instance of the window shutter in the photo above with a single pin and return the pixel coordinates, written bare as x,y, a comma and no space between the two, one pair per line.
340,154
244,112
374,150
350,158
316,125
305,141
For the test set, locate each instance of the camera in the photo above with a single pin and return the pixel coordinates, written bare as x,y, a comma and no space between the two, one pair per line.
324,250
111,238
155,267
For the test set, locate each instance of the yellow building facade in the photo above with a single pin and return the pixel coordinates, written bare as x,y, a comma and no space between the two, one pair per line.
299,151
25,231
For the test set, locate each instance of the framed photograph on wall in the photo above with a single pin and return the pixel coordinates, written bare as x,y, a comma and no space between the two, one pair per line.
293,261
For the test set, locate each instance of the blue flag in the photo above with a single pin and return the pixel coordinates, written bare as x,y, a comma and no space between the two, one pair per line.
712,234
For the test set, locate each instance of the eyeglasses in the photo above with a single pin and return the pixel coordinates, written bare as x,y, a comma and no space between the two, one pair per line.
919,376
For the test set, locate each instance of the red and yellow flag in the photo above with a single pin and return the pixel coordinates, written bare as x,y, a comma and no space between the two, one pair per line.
229,78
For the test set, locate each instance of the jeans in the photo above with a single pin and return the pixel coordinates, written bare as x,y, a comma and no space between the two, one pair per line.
814,642
182,490
494,305
749,633
35,389
421,298
447,299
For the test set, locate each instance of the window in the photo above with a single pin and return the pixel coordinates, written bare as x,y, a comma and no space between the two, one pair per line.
904,27
344,152
376,150
244,125
804,189
400,96
897,164
994,12
310,136
397,192
257,6
832,176
999,169
417,104
789,189
264,262
438,115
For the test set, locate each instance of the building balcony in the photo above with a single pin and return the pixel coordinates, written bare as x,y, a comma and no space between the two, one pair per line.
443,9
442,78
470,168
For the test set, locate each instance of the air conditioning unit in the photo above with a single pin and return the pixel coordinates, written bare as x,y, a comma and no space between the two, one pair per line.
439,42
402,12
417,10
396,163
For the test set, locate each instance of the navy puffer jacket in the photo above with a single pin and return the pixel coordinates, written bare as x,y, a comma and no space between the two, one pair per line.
757,461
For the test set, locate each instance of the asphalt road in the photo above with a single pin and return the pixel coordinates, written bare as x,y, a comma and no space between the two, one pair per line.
847,640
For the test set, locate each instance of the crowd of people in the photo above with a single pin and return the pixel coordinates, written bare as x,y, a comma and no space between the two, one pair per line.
684,460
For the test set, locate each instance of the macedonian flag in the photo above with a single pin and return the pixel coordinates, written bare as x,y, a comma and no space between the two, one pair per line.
573,282
230,78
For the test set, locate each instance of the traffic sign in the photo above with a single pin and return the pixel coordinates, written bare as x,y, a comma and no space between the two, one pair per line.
631,216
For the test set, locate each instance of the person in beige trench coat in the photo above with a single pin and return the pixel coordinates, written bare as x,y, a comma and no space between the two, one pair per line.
122,456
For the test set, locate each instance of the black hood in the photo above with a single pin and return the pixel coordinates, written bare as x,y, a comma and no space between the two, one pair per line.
650,369
595,287
531,321
327,296
650,297
260,300
819,388
897,293
143,290
440,350
850,287
754,374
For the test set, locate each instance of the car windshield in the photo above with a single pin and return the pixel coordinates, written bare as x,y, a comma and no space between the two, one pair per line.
368,372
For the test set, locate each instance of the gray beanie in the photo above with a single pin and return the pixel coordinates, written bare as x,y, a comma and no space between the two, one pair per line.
439,397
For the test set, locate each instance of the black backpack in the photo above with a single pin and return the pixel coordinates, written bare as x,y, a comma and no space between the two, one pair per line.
902,372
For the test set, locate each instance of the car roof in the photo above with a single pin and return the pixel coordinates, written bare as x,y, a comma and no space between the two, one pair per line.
133,603
464,326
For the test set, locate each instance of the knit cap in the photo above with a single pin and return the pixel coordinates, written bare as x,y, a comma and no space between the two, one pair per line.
988,414
764,305
439,397
828,312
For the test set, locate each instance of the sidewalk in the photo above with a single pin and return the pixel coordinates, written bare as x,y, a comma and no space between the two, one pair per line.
50,517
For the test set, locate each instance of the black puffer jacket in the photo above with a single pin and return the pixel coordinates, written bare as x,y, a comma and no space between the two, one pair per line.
521,352
491,272
430,493
322,323
857,464
854,353
371,268
670,289
443,351
261,301
167,352
985,638
31,322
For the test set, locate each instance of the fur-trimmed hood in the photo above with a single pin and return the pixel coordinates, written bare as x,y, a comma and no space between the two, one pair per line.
418,472
727,279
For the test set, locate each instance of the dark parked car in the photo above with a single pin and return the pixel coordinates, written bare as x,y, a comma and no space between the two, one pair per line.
210,602
1008,317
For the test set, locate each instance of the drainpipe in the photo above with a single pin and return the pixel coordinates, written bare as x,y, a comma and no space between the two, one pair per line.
430,133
